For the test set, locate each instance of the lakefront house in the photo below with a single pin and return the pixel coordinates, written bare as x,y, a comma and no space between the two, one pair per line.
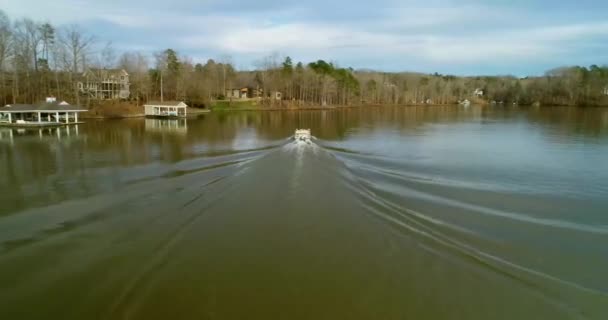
105,84
242,93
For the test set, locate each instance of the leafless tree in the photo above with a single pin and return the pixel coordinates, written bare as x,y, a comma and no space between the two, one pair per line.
5,50
77,44
136,64
108,56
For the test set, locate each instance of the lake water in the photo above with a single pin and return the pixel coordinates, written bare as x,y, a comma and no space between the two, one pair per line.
391,213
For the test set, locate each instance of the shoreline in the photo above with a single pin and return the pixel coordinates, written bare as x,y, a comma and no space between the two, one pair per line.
195,112
190,113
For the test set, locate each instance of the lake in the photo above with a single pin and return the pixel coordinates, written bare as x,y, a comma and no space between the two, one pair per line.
391,213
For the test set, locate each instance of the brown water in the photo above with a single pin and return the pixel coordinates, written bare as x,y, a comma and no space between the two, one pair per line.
392,213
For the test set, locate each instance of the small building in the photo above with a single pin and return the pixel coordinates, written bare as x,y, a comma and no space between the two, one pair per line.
242,93
165,109
606,91
257,93
48,113
105,84
478,93
232,94
276,95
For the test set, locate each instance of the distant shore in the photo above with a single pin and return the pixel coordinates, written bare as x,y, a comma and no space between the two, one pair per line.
125,110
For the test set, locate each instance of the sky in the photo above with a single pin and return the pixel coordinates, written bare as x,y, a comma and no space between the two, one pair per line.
466,37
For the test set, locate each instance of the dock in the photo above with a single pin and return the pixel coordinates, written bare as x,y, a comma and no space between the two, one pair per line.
166,109
46,114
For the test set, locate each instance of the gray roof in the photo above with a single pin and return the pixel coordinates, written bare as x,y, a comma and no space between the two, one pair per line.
165,103
16,108
106,72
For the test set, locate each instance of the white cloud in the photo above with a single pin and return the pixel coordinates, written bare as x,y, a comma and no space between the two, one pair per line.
248,37
259,39
420,33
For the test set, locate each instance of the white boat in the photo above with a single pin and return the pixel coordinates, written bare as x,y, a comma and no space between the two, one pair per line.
302,135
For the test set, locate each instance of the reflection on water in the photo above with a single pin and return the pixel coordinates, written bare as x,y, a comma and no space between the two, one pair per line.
393,213
8,134
178,126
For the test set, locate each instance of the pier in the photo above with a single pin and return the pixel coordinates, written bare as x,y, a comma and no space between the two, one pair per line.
46,114
167,109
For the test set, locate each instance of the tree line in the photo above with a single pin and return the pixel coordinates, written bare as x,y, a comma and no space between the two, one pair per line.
38,59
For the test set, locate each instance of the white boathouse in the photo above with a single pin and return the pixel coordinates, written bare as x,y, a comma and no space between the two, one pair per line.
48,113
166,109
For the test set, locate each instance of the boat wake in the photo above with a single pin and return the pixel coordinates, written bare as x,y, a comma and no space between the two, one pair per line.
279,223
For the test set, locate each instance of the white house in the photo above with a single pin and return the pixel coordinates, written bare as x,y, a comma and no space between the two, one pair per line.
478,93
165,109
242,93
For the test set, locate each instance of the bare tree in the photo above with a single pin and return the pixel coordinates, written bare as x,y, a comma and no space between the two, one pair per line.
136,64
61,65
107,56
27,38
161,65
226,63
5,49
76,44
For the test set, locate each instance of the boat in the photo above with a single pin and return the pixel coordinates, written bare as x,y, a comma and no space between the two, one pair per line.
302,135
466,103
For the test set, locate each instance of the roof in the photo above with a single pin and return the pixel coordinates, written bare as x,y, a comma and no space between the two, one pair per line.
166,103
15,108
106,73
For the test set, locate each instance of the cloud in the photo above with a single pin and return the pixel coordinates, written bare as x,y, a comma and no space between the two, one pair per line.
249,37
388,33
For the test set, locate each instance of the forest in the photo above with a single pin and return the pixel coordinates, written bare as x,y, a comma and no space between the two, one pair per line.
38,59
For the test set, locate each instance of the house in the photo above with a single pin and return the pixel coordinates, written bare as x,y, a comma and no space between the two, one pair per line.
242,93
478,93
105,84
233,94
165,109
256,93
48,113
245,93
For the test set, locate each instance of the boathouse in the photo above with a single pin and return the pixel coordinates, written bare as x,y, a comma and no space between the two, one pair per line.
166,109
48,113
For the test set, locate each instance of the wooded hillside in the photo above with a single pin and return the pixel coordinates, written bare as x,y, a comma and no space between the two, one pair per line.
38,60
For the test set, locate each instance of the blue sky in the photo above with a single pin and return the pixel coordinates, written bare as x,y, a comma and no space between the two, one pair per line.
459,37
